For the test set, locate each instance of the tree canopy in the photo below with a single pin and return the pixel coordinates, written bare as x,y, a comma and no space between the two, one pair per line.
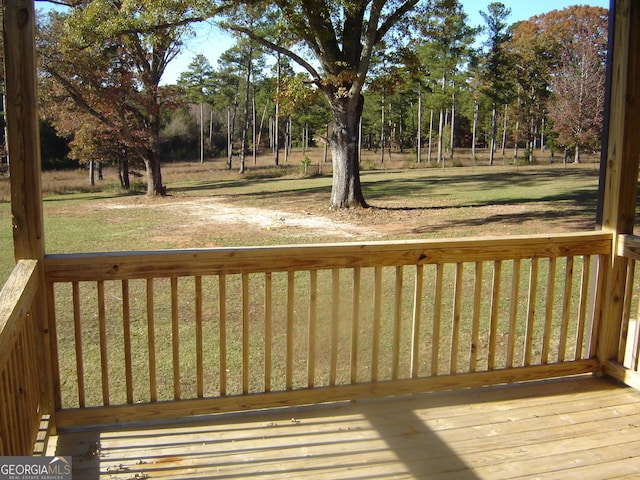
351,73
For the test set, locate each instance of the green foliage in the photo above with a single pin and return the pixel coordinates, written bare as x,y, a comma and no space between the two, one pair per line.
305,163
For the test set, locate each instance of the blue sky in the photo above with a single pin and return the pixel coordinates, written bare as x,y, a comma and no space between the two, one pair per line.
524,9
212,42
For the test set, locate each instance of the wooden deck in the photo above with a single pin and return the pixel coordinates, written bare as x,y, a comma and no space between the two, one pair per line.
581,427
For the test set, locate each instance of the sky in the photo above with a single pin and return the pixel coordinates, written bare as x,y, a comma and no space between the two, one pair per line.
211,42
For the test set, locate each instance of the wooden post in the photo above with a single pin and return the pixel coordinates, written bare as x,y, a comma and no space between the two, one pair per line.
23,135
619,185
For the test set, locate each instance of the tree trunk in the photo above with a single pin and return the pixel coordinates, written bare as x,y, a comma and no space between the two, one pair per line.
517,139
123,173
346,190
276,126
201,132
419,131
92,172
154,176
382,131
229,140
453,124
254,150
504,132
440,130
245,119
151,158
430,135
576,158
473,134
494,131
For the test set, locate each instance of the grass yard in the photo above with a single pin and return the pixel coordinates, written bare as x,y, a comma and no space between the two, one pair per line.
209,206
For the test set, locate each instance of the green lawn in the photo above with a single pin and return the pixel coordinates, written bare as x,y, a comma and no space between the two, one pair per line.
438,203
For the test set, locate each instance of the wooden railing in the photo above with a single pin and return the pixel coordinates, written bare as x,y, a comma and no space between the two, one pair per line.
627,366
21,409
149,335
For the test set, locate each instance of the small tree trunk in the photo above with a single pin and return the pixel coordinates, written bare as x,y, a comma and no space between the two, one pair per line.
430,135
382,131
276,143
494,128
453,124
517,139
254,133
229,140
326,145
473,133
419,131
125,180
201,132
504,132
440,130
92,175
245,119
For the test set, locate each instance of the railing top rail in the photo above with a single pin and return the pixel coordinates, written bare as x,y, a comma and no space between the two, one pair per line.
149,264
629,246
16,298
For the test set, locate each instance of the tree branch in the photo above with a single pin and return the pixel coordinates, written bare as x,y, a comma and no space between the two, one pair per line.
277,48
394,18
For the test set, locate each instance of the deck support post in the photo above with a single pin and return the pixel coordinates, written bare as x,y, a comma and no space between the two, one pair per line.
619,183
23,138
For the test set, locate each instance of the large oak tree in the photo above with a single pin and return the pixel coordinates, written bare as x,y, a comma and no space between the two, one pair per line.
337,40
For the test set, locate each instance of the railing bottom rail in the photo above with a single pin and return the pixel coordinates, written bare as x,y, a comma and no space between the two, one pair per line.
95,416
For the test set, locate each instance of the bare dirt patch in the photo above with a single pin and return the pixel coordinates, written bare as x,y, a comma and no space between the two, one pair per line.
208,221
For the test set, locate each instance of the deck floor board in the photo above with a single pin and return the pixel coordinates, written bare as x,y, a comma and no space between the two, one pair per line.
582,427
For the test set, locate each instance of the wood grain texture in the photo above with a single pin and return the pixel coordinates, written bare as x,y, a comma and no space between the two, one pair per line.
571,428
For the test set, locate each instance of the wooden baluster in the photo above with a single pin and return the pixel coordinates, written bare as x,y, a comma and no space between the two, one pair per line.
151,342
77,331
495,306
377,302
126,334
175,339
437,317
335,319
397,319
199,339
268,329
355,321
513,312
583,305
416,321
222,303
104,359
475,322
290,317
566,310
531,312
548,321
313,320
245,333
455,321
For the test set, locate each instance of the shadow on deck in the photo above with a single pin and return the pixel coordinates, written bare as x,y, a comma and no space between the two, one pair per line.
580,427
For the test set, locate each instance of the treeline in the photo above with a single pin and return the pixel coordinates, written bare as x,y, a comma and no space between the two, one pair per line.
437,84
533,85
